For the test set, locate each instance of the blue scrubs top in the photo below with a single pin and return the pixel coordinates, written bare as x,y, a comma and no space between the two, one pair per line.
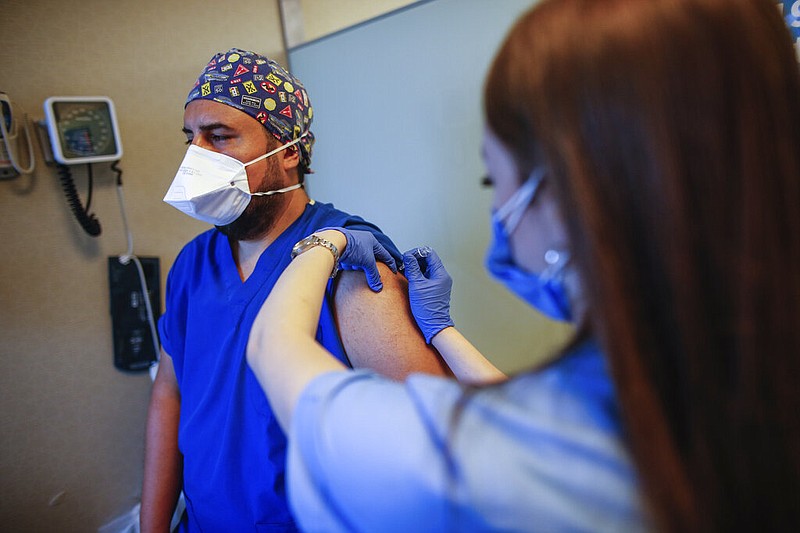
541,452
233,449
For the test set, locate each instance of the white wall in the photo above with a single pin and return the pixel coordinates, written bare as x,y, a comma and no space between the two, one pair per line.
321,17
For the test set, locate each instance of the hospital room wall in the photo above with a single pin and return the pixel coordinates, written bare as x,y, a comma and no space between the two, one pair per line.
71,448
321,17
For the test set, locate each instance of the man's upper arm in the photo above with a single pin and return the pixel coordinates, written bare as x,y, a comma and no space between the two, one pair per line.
377,328
165,377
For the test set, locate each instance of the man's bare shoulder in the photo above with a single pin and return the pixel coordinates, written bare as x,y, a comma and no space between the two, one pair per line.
378,329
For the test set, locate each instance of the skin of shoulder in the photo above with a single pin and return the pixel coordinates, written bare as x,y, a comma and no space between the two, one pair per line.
378,329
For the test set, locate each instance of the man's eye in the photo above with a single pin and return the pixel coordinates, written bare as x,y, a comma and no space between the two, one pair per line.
219,138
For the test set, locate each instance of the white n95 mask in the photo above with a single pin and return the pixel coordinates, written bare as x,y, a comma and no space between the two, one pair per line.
213,187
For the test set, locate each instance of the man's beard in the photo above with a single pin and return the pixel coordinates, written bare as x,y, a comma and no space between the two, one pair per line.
262,212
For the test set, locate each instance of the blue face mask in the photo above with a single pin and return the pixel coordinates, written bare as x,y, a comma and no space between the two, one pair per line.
546,291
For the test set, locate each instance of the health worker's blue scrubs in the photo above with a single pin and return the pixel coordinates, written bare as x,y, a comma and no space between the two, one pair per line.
541,452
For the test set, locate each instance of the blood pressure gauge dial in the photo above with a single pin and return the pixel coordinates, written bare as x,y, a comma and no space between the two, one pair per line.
82,129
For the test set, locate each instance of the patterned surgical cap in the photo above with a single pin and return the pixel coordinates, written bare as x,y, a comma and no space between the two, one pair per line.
264,90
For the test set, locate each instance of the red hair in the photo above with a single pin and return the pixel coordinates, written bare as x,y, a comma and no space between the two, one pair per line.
672,133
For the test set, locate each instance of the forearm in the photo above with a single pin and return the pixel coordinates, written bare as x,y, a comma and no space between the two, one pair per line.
282,349
162,462
467,363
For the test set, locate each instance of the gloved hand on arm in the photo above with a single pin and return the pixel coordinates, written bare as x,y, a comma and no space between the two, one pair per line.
362,253
429,287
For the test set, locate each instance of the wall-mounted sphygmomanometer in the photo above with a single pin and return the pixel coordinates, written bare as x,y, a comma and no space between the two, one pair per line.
82,130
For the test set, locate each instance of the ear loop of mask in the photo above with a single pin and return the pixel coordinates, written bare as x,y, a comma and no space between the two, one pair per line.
514,209
278,191
511,212
276,150
270,153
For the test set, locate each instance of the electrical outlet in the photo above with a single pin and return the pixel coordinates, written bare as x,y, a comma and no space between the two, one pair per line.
133,340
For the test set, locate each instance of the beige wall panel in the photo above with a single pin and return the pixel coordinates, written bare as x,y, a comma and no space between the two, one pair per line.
73,425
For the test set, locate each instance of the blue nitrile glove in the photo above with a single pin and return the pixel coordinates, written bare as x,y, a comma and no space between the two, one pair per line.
429,287
362,253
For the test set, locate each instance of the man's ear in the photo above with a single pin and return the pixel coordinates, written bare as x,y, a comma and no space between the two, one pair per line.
291,158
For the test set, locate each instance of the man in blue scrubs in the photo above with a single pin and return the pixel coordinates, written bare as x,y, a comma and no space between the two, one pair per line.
210,429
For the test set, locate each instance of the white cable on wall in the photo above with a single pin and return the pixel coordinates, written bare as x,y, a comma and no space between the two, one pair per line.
125,259
10,137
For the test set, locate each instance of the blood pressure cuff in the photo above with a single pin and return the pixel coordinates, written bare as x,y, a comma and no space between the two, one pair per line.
264,90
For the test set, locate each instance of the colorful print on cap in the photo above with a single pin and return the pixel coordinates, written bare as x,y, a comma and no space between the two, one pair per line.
264,90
